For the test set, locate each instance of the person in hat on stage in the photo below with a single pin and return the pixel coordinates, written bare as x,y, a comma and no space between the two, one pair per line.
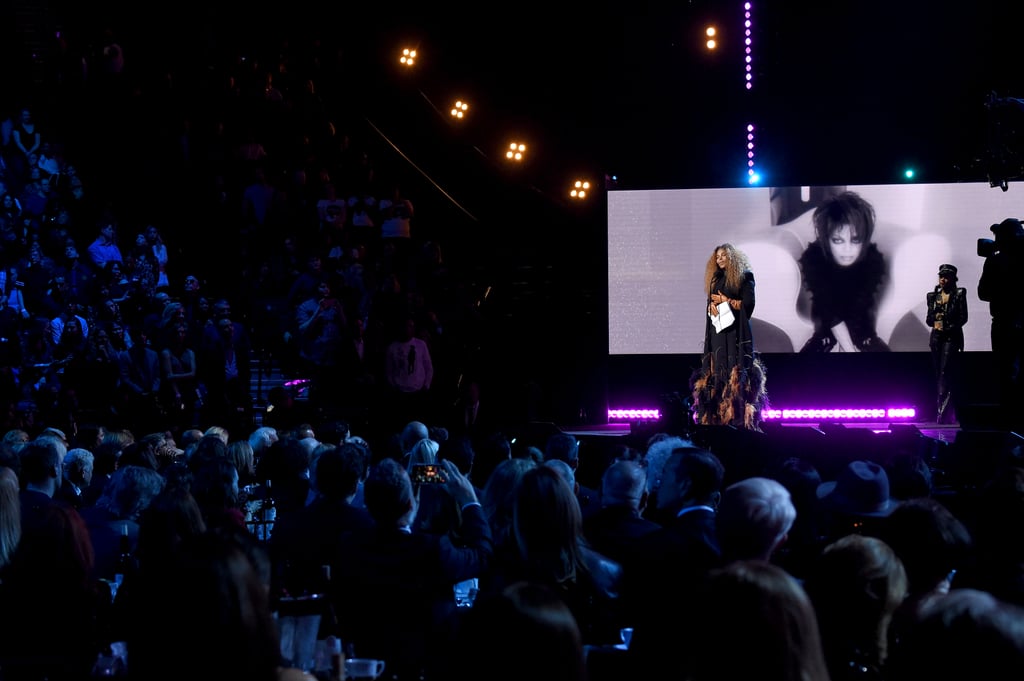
947,314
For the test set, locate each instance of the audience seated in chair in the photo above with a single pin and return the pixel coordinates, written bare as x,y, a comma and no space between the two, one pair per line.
754,519
751,620
392,587
539,640
856,586
547,547
967,634
617,527
212,598
671,563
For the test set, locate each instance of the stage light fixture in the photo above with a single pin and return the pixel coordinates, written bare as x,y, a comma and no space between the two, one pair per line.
516,151
840,414
634,414
580,189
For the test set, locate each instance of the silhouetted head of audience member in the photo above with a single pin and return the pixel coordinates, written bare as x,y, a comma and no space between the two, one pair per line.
565,471
547,526
930,541
215,488
41,467
413,432
691,476
141,453
211,598
562,447
755,622
624,483
130,490
389,495
856,586
170,519
659,448
856,499
966,634
499,495
339,471
459,450
532,618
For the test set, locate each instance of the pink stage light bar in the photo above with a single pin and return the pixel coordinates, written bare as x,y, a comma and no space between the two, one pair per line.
642,414
802,414
841,414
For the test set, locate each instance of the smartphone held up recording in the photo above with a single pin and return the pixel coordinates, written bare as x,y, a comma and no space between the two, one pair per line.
427,473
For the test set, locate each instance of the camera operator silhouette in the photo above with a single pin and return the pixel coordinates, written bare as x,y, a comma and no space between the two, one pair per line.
1000,278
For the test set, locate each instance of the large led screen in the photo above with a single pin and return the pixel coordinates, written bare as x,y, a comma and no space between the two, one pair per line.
659,242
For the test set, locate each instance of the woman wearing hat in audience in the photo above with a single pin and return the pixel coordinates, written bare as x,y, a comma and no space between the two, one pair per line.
947,314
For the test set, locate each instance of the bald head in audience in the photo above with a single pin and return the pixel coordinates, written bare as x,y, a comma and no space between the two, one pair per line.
624,484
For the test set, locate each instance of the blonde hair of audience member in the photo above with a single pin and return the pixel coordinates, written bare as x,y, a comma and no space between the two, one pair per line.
16,436
753,518
499,494
122,438
218,431
547,528
856,586
540,639
10,515
241,454
755,622
424,451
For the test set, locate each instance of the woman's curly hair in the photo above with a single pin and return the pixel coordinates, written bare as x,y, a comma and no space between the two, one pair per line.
738,264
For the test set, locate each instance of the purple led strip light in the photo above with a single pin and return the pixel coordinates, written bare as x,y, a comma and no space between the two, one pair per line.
802,414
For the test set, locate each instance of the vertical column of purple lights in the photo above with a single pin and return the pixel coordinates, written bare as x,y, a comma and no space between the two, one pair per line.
748,67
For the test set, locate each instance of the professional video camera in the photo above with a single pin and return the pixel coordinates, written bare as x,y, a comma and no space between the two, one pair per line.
1009,231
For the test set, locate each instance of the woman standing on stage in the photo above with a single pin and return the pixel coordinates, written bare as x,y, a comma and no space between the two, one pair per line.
947,314
729,387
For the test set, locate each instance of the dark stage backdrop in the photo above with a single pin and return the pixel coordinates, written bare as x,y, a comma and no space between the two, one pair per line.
659,242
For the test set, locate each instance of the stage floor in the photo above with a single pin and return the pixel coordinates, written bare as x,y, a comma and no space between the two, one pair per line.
935,431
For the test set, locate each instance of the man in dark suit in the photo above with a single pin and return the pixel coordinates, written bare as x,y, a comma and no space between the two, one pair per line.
671,563
304,541
77,465
565,447
392,587
619,525
303,544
